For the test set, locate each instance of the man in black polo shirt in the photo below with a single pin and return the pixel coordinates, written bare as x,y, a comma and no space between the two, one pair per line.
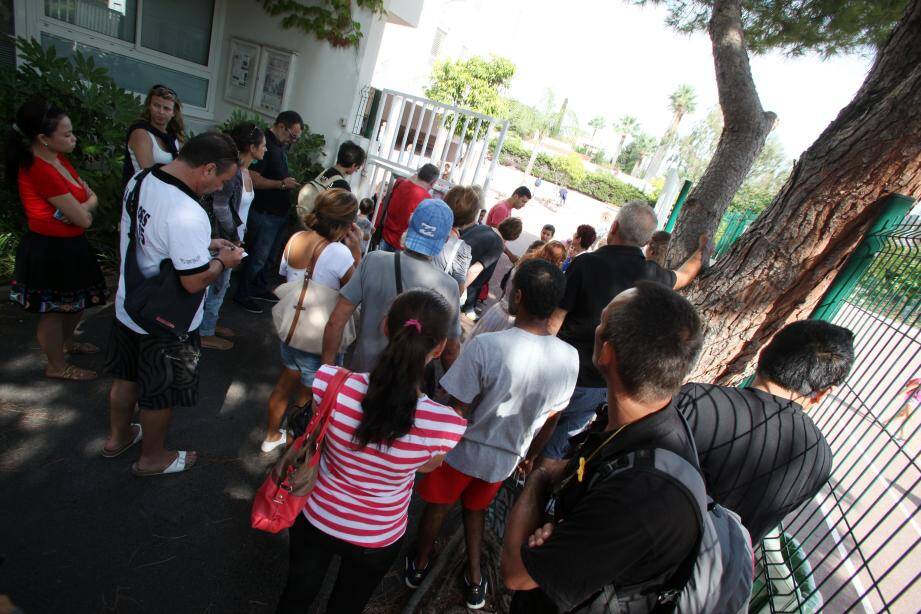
632,526
269,213
761,455
592,280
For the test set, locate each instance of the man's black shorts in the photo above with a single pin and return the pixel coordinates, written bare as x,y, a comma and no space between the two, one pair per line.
165,368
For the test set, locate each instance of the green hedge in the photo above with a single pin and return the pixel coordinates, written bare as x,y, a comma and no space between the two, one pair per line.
101,112
567,171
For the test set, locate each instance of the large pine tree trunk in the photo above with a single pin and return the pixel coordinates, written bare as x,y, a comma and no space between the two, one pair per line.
780,268
745,128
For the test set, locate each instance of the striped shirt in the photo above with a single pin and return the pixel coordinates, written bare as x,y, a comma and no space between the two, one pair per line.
362,494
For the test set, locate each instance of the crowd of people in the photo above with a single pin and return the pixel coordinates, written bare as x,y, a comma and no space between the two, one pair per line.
582,360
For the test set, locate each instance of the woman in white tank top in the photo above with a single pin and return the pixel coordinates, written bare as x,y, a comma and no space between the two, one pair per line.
158,136
332,245
227,210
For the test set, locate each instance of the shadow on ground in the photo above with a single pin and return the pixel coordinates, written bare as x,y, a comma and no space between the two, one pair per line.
79,533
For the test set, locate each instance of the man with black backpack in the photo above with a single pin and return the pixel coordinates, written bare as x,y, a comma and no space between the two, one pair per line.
630,517
168,260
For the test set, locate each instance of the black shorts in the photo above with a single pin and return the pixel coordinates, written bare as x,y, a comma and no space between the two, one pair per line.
165,368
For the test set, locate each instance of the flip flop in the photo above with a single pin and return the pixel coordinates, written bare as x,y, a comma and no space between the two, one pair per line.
74,374
124,448
80,348
177,466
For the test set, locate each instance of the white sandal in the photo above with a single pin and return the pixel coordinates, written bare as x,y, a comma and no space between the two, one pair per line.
179,464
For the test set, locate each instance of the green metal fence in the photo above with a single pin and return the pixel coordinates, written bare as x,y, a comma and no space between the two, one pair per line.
855,547
731,228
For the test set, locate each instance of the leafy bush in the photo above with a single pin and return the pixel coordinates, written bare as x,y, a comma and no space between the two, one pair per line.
569,171
240,116
570,165
605,187
303,155
101,113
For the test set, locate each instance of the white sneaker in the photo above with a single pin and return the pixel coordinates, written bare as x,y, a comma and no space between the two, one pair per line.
268,446
471,315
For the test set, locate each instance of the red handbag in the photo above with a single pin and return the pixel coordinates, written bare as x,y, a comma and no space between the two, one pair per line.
283,494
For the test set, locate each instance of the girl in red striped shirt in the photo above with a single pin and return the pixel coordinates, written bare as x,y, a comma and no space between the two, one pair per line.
382,431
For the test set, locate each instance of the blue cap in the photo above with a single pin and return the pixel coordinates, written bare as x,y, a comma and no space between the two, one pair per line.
429,227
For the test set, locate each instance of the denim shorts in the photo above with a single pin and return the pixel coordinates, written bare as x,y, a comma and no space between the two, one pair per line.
299,360
580,411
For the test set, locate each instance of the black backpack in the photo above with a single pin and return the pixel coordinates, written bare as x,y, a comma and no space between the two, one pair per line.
717,576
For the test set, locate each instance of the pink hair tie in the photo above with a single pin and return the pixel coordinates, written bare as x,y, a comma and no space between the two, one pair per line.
414,323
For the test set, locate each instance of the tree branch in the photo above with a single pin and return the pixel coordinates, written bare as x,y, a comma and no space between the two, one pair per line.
736,88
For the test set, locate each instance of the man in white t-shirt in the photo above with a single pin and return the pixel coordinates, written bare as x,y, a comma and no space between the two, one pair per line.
157,372
510,385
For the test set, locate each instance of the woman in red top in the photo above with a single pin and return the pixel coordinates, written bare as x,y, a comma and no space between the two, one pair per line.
57,274
382,431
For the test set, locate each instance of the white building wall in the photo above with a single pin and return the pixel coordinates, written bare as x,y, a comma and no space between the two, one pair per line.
326,81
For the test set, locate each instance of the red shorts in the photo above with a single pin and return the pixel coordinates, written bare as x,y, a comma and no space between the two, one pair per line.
446,485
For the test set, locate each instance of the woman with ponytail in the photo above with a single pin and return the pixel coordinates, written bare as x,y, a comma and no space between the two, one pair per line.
333,244
382,431
57,274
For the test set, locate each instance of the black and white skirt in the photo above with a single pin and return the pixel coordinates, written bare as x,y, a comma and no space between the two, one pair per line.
57,275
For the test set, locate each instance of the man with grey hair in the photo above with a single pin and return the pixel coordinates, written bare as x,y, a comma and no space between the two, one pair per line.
592,281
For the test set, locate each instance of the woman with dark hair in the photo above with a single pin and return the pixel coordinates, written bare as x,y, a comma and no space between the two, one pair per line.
382,431
228,210
333,243
582,241
57,274
157,137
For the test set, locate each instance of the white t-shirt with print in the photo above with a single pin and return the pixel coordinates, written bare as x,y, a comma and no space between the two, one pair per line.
171,224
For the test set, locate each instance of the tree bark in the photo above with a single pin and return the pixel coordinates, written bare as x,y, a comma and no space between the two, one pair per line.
781,267
745,128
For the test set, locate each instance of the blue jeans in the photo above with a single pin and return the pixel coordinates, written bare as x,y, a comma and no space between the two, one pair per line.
263,233
213,301
580,411
305,362
386,247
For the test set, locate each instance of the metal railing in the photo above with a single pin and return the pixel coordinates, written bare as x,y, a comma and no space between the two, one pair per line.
854,547
407,131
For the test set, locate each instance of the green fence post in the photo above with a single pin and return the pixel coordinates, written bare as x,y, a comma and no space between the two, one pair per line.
894,211
676,208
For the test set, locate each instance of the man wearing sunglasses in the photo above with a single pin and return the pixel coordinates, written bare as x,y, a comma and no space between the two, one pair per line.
272,181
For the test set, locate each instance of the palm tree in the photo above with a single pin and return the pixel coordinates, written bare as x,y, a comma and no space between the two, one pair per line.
626,126
596,124
682,102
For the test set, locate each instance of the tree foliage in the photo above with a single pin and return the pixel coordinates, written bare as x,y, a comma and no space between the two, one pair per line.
596,123
328,20
100,110
476,83
828,27
765,178
641,146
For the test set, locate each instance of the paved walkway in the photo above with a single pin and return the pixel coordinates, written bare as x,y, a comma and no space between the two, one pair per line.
79,533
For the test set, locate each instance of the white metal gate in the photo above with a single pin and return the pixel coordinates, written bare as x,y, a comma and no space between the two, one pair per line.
408,131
